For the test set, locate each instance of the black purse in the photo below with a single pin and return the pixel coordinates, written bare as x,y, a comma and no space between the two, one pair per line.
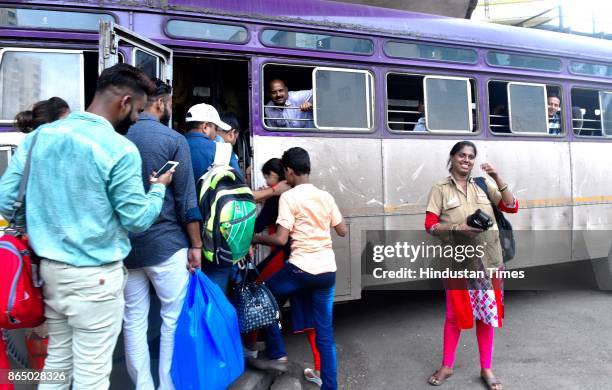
255,305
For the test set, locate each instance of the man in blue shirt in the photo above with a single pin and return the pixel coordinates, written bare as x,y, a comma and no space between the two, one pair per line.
83,195
202,123
288,108
160,254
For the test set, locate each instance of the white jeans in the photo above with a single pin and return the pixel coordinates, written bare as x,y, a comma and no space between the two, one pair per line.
169,278
83,306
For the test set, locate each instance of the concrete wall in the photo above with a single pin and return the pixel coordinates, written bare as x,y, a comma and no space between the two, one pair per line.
454,8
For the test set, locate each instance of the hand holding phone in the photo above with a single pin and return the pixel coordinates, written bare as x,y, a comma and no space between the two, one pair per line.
159,176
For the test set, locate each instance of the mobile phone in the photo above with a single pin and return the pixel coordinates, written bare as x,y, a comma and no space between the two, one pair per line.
167,166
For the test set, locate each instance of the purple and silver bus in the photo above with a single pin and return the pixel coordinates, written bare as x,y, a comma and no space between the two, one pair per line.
392,91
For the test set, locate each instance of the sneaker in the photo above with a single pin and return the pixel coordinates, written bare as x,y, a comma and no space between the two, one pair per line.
281,365
311,376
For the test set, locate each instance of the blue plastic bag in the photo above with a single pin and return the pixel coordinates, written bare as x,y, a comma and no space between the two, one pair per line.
207,347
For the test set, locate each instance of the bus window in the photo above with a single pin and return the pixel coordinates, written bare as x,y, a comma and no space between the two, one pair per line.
51,19
305,97
406,103
586,112
448,103
605,101
524,108
30,75
340,91
148,62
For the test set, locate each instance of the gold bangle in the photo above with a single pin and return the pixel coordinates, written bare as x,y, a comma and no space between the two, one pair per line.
503,188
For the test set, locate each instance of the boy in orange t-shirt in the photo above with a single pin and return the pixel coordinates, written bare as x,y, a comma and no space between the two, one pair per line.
307,214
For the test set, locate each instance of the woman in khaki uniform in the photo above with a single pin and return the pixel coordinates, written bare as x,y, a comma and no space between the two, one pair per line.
451,202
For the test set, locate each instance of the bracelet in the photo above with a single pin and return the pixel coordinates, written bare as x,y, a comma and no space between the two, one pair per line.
503,188
195,247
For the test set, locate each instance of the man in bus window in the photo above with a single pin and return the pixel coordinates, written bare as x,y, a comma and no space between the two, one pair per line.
288,108
554,117
420,125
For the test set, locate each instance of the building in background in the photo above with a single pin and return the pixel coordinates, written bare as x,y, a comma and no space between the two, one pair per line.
586,17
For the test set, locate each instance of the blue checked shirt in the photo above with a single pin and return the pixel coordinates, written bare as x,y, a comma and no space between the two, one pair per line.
84,192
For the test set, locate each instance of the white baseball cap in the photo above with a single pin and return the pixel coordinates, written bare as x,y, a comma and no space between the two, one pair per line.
206,113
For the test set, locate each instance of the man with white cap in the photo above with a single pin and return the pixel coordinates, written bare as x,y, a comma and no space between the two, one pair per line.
202,123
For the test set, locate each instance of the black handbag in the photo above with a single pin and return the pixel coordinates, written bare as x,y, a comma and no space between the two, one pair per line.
255,305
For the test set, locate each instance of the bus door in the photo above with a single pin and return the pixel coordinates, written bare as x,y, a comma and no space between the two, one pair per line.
119,44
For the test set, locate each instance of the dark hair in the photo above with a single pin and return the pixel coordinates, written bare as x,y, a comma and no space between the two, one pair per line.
192,125
42,112
125,76
274,165
457,147
162,90
298,160
231,120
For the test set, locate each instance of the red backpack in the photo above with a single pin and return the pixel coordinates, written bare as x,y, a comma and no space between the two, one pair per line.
21,302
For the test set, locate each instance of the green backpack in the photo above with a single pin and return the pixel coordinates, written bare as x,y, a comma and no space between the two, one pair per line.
228,209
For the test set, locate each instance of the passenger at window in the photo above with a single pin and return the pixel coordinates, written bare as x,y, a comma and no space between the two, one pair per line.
554,116
420,125
293,108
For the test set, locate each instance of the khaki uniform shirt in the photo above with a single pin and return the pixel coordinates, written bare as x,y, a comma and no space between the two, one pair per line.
453,206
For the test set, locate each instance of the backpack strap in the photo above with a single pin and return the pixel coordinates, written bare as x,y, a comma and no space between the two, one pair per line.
24,181
482,183
223,154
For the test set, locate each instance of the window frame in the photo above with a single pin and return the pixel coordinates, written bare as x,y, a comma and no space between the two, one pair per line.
486,57
54,51
563,134
369,88
510,83
192,20
469,106
478,130
603,132
315,130
385,43
570,70
161,61
592,89
314,32
82,11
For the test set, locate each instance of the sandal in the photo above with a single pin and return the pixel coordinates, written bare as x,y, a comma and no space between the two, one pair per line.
311,376
492,382
435,380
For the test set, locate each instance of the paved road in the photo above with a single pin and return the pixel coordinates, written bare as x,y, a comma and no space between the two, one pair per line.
550,340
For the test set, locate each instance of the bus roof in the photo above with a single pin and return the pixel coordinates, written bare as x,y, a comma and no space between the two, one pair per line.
383,21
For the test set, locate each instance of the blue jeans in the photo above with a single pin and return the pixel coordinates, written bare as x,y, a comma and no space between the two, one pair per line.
320,288
220,276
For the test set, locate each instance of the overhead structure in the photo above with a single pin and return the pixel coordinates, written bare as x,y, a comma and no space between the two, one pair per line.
453,8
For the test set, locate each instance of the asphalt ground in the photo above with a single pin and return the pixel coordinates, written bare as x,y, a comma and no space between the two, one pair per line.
550,340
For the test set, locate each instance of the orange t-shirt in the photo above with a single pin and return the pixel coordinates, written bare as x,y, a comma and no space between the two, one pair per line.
309,213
